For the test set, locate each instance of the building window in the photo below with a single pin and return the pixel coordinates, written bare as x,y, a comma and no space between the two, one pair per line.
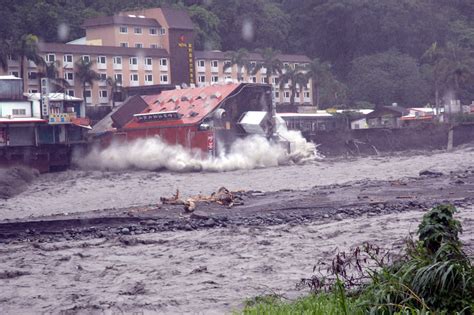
253,79
50,58
69,76
153,31
123,29
148,78
13,57
70,93
201,63
163,62
86,58
117,60
14,73
103,93
137,30
153,46
201,78
297,94
102,60
32,75
162,31
287,94
88,93
214,79
306,94
134,77
118,77
163,78
264,79
103,77
133,61
214,63
123,44
33,91
18,112
148,61
277,94
138,45
68,58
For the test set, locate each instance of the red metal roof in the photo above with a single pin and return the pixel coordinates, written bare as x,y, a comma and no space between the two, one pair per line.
192,104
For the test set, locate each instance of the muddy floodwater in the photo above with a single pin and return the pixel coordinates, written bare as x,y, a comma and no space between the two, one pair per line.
133,256
78,190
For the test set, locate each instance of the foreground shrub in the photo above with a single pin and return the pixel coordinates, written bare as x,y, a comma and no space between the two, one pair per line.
433,276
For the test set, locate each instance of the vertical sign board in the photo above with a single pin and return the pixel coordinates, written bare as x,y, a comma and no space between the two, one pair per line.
210,145
44,97
191,63
190,56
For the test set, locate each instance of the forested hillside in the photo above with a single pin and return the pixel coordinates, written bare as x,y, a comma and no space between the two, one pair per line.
378,51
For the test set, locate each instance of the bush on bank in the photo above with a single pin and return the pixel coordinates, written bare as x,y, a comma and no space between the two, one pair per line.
434,276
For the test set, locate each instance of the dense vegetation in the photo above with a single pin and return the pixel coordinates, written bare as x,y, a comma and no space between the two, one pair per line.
434,276
412,52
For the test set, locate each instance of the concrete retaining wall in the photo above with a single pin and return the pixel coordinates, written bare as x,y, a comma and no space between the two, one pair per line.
372,141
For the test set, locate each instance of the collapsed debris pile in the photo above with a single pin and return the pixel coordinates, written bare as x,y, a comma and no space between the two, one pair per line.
222,196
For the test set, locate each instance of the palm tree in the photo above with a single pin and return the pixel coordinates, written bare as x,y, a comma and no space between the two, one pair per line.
457,65
295,78
51,72
115,87
319,73
270,62
240,59
26,48
431,56
4,53
85,74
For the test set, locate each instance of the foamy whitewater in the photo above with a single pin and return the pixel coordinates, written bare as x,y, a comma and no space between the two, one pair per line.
154,154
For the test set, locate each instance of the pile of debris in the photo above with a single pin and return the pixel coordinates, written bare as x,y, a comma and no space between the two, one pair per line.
223,197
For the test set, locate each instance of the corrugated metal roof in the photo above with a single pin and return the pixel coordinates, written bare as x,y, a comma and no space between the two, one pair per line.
192,104
101,50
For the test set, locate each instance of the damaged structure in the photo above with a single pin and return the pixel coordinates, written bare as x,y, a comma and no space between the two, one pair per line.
208,118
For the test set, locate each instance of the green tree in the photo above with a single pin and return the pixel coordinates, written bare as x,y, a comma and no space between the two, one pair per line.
50,71
86,75
295,78
457,66
240,58
4,53
206,27
270,62
389,77
26,49
251,24
320,74
115,87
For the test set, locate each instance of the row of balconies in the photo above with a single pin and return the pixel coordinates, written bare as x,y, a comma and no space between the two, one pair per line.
100,66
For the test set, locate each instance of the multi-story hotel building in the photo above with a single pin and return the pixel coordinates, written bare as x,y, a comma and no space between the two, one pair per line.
147,47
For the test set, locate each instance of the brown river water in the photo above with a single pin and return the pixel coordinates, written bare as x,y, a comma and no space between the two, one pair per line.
78,190
209,271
